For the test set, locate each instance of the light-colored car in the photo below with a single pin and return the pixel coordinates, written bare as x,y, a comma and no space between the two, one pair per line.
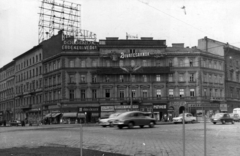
104,122
134,118
188,118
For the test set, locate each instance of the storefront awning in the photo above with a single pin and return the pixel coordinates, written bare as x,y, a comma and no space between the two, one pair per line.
47,116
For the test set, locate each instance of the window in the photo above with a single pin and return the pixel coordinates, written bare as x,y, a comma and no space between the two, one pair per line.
181,63
54,66
145,93
121,78
181,79
133,93
192,92
132,63
221,93
83,94
144,78
205,92
231,92
216,93
191,62
94,93
107,93
132,51
170,92
144,63
159,93
121,94
231,75
133,78
83,63
210,79
94,79
71,63
71,78
210,92
121,63
191,77
40,57
215,65
220,66
170,63
170,77
108,63
181,93
83,78
94,63
158,78
71,95
106,78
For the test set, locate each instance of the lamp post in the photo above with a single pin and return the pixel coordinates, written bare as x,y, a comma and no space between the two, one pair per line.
131,70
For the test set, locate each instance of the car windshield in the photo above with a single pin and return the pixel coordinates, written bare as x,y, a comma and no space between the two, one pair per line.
218,115
114,115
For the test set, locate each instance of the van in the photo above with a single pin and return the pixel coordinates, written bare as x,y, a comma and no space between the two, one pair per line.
236,111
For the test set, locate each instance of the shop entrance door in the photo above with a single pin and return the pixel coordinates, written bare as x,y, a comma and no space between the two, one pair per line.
181,109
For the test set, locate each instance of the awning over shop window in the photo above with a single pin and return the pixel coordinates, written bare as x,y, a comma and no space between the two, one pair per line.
48,115
55,114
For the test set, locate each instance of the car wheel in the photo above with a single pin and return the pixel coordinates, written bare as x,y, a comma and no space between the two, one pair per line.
192,121
232,122
175,122
104,126
151,124
120,127
130,125
223,121
214,123
141,126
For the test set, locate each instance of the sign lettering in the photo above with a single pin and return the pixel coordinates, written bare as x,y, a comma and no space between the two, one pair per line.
159,106
134,55
107,108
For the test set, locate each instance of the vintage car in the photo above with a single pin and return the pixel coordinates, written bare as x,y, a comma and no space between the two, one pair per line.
222,118
187,118
15,123
104,122
133,118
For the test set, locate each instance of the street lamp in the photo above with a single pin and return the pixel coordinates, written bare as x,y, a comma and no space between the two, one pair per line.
130,70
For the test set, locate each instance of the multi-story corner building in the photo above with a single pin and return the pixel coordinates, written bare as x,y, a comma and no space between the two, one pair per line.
28,84
196,82
231,70
7,91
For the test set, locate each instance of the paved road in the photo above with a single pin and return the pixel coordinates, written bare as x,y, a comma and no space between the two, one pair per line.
163,140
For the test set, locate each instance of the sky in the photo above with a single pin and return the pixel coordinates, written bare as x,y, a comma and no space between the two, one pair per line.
160,19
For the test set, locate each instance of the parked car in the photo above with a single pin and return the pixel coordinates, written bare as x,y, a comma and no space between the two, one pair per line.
187,118
236,117
15,123
133,118
104,122
222,118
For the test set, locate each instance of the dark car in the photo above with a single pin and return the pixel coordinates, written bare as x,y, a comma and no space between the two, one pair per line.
133,118
222,118
15,123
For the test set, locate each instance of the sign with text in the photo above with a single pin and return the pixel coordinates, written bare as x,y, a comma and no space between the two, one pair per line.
126,107
89,109
107,108
159,106
123,55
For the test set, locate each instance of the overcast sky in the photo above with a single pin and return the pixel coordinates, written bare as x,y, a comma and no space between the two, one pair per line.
161,19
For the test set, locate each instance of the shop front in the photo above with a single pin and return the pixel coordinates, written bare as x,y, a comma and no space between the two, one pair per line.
92,113
106,111
160,112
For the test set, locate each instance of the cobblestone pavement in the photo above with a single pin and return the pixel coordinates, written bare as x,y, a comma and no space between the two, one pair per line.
163,140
